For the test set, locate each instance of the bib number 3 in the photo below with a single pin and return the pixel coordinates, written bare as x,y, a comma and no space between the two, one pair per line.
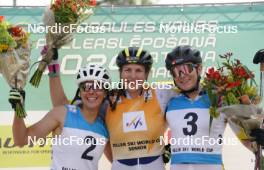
192,126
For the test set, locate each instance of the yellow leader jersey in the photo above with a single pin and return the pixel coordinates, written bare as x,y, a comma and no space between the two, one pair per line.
136,127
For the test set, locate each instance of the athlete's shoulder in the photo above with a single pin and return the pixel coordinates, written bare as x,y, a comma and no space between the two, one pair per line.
165,92
176,100
57,113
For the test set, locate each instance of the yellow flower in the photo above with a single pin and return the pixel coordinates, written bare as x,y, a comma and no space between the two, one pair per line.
3,47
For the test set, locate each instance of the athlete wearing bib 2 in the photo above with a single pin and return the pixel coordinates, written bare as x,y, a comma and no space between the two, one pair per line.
79,134
58,96
135,120
193,145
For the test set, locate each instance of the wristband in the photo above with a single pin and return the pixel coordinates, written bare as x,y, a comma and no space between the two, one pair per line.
54,70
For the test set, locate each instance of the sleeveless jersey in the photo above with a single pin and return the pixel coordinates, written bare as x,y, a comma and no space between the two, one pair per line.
191,140
80,144
135,127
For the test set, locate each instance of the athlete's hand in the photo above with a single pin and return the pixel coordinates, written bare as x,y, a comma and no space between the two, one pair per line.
16,96
258,134
167,154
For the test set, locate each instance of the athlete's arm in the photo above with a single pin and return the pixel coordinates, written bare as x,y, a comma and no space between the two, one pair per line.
164,95
57,93
41,129
108,152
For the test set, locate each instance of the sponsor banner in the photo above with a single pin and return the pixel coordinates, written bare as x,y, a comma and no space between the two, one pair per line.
27,156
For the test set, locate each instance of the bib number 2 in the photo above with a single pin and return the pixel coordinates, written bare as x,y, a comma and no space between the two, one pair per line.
191,123
92,147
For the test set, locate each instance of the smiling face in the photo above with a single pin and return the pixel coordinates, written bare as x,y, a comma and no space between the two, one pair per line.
92,96
133,73
185,75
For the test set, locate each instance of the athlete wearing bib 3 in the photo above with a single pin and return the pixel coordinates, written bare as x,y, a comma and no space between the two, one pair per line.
79,134
135,120
194,145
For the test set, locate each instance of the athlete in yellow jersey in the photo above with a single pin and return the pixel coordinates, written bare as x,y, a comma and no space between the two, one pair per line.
136,119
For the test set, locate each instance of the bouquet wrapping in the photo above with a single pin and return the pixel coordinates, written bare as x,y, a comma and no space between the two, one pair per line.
14,58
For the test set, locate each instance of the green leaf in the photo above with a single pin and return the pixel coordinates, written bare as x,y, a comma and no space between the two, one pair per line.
210,124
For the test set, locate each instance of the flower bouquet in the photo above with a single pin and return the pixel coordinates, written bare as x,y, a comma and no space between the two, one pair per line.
14,58
230,84
232,91
64,16
244,119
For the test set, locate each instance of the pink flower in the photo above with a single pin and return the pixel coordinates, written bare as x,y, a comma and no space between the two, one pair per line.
44,50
